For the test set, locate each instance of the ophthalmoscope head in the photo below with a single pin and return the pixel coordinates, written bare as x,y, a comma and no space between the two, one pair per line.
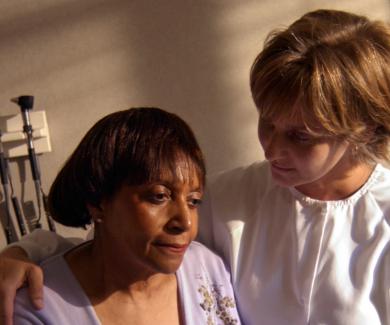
25,102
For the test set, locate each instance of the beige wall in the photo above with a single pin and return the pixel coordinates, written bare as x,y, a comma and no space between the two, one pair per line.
84,59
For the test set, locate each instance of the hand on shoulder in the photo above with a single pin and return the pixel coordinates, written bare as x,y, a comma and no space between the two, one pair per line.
16,269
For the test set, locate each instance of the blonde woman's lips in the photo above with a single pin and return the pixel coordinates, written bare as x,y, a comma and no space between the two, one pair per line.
281,167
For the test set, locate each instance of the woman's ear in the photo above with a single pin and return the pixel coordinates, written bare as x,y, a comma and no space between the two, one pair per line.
95,212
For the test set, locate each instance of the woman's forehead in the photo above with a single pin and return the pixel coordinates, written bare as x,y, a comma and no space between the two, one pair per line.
294,116
181,170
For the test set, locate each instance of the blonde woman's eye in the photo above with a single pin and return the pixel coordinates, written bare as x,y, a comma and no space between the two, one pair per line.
299,136
265,126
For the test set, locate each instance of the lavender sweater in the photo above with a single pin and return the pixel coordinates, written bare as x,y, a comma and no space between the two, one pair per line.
206,294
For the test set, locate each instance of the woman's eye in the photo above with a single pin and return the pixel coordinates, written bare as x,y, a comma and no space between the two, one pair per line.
265,126
158,198
194,202
299,136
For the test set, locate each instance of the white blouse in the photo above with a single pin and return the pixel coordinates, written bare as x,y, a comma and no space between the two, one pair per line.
295,260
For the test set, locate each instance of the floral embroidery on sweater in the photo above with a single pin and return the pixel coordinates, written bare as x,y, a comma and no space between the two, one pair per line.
214,303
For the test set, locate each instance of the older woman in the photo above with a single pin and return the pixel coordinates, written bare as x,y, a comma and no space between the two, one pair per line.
138,175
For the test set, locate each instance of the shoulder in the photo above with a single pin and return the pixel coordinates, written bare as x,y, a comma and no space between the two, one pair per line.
205,288
237,194
238,178
242,182
378,192
200,259
381,177
199,252
24,312
241,176
63,298
53,272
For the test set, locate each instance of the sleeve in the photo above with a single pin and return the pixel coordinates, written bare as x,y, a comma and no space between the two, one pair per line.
43,243
205,230
386,313
381,294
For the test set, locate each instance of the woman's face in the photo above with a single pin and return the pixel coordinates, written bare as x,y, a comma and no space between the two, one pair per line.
299,158
150,226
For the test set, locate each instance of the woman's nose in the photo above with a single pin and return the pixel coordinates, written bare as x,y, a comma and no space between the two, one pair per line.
181,218
273,146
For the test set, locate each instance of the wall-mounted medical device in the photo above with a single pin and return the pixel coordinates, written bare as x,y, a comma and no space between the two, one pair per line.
14,139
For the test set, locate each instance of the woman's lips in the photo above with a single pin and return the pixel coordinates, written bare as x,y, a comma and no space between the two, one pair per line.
279,168
172,248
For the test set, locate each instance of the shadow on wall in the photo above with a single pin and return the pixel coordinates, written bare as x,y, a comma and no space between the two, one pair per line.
84,59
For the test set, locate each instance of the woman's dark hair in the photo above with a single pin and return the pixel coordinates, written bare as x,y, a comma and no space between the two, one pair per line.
130,147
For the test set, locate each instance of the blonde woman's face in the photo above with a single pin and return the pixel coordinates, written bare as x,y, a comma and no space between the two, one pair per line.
299,158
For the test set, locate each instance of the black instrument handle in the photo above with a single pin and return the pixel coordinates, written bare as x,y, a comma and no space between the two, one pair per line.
18,214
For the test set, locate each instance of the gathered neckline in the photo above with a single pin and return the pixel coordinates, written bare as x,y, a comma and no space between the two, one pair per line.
346,201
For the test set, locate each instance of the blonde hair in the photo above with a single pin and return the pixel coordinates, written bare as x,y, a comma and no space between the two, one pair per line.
334,66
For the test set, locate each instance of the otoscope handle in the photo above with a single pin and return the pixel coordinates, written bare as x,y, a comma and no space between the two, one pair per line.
33,164
52,226
49,219
18,214
3,169
8,235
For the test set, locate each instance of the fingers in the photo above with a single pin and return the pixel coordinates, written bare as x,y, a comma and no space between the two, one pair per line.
34,277
35,286
15,270
7,297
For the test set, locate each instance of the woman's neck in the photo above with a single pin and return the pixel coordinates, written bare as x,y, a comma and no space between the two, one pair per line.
118,296
101,274
339,184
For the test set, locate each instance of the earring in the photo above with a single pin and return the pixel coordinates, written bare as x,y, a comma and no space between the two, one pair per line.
98,220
